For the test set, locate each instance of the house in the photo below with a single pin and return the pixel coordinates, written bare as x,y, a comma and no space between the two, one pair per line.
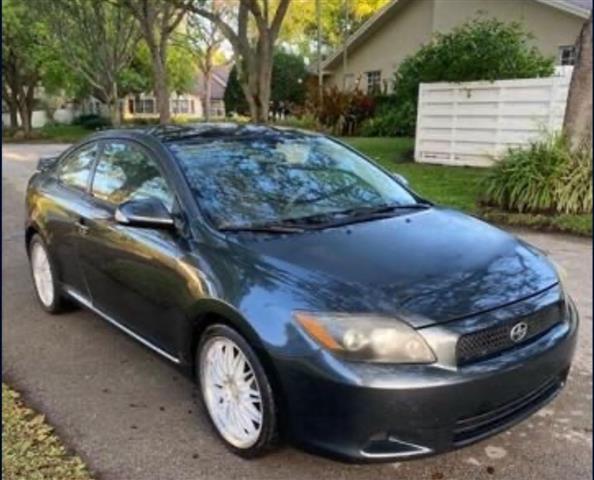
377,48
190,104
218,84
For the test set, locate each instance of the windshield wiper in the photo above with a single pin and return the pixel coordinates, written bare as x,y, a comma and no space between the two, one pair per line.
385,209
264,228
357,215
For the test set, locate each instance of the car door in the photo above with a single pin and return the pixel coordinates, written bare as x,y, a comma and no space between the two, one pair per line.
132,272
65,200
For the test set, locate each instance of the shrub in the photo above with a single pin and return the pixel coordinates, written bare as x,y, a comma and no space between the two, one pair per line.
92,121
141,121
546,177
388,124
481,49
306,121
341,112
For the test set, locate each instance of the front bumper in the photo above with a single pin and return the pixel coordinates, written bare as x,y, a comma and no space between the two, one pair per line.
374,413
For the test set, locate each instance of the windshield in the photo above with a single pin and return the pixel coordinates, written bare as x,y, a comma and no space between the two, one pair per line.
282,177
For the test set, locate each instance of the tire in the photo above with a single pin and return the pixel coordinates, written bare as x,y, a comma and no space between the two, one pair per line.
46,283
237,424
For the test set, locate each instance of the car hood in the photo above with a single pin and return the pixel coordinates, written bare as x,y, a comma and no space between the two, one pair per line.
427,267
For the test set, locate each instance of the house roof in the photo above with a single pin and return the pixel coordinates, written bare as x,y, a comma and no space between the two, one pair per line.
579,8
218,82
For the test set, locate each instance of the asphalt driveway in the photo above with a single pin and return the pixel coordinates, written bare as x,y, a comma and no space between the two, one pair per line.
131,415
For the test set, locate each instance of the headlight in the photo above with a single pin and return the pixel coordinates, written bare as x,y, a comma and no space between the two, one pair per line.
368,338
561,272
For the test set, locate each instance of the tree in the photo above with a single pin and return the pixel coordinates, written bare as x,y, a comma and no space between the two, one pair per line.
138,77
577,124
253,40
157,20
288,83
300,26
22,59
480,49
205,40
96,39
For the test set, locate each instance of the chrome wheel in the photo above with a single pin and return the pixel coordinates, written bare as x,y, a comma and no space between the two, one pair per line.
231,392
42,274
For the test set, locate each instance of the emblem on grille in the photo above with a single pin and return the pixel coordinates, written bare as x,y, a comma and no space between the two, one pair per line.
518,332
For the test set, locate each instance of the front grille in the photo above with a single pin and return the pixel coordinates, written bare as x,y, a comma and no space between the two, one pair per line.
491,341
472,429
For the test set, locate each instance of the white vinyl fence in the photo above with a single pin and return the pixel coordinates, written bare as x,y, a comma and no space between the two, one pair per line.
473,123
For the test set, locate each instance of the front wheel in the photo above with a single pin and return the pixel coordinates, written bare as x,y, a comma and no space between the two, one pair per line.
236,392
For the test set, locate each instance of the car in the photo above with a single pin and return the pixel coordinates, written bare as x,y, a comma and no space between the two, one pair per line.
313,295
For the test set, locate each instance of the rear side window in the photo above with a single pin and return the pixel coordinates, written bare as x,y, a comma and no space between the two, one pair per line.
126,172
75,169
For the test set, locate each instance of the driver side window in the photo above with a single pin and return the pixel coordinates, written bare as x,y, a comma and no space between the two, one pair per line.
75,169
126,172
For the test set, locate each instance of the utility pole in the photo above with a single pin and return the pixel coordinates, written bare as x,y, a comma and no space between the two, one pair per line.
319,52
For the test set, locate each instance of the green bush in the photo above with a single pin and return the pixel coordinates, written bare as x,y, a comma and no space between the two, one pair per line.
341,112
391,123
481,49
92,121
132,122
306,121
546,177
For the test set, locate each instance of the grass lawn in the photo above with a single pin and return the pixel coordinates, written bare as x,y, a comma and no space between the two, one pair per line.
458,187
30,449
52,134
64,133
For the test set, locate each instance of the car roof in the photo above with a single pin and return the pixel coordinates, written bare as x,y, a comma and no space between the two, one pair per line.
197,133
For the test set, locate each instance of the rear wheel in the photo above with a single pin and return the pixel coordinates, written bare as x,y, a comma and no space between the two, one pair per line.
236,392
48,292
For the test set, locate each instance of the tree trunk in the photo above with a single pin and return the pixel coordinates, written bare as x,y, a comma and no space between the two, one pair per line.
26,117
161,87
264,82
207,92
13,112
577,124
114,108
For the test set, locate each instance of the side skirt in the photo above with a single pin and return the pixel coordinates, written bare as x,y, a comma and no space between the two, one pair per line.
88,304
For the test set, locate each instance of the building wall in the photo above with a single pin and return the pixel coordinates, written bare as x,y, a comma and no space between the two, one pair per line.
414,22
403,34
551,27
131,114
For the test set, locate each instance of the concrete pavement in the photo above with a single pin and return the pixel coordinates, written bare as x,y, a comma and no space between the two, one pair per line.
131,415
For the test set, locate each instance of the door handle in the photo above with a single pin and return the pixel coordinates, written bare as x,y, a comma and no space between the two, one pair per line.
81,227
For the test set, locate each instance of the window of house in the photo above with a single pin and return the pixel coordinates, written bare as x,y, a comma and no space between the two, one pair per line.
125,172
74,170
374,82
192,107
130,105
180,105
567,55
145,105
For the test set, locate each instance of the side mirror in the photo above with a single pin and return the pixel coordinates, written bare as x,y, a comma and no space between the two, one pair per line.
401,179
46,162
145,212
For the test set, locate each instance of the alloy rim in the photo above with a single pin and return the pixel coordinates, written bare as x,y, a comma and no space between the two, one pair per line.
42,274
231,392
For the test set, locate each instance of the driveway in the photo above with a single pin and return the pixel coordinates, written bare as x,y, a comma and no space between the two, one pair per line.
131,415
